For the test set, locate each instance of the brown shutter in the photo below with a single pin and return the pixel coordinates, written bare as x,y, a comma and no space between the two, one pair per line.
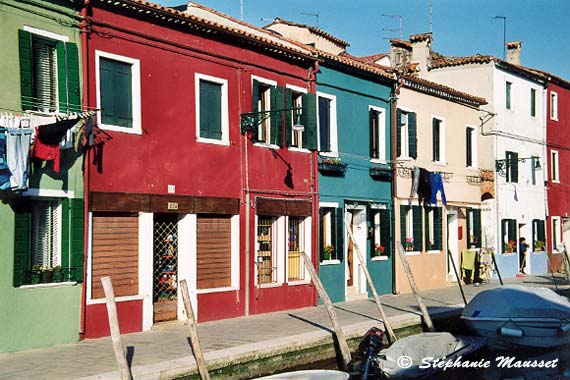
115,253
299,208
214,269
270,207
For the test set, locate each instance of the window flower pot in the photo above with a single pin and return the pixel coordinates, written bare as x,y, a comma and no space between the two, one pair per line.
332,168
381,172
46,276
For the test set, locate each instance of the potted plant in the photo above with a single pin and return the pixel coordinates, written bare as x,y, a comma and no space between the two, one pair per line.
509,247
539,245
409,244
328,252
332,165
35,274
378,250
57,274
46,275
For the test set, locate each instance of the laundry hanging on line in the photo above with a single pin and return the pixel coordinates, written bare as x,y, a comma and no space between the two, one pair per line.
16,135
426,185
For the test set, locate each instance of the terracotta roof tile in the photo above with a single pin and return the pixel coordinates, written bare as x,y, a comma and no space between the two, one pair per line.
373,58
233,26
358,63
400,43
421,37
415,82
311,28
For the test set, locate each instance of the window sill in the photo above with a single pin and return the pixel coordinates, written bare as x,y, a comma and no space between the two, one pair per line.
538,252
439,163
554,118
378,161
413,253
379,258
50,285
509,254
298,282
473,168
405,158
217,290
269,286
556,252
135,130
328,154
330,262
555,181
300,150
433,252
212,141
117,299
265,145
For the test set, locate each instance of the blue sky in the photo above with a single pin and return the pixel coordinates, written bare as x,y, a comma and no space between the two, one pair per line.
460,27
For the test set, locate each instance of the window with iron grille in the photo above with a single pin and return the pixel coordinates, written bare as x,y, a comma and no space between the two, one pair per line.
295,247
265,256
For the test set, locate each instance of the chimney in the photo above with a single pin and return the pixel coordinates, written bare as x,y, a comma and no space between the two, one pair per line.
421,49
514,52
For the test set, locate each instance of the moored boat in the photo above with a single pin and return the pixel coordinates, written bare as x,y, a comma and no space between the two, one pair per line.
316,374
520,316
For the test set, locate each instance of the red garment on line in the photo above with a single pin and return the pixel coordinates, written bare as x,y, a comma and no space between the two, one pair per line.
46,152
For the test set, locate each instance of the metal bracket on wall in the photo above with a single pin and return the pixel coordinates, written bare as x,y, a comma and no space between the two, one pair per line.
251,120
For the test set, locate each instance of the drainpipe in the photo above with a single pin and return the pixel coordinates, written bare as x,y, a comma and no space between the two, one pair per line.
84,30
312,79
394,100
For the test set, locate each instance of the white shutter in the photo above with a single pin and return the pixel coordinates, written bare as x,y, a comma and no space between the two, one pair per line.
44,59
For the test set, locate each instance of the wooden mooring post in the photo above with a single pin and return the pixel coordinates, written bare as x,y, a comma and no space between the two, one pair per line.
390,332
496,268
118,347
194,339
457,276
344,350
408,270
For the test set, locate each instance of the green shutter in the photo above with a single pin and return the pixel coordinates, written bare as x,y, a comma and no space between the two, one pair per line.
26,76
512,231
22,247
504,230
62,77
412,134
468,212
339,248
469,147
72,224
276,94
417,222
435,139
541,232
477,226
438,228
309,121
289,117
399,134
321,230
385,233
426,227
373,133
515,168
254,106
73,85
116,93
532,102
210,110
403,214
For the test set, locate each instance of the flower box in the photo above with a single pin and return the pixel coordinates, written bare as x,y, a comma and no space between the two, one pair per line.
381,172
332,167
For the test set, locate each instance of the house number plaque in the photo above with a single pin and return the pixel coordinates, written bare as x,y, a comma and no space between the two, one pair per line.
173,205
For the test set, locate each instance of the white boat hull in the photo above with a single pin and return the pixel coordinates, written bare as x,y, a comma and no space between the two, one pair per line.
502,332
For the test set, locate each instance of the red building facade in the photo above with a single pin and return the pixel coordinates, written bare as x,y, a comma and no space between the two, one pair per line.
182,188
558,170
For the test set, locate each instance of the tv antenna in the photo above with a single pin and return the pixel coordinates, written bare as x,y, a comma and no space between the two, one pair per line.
504,18
315,15
393,29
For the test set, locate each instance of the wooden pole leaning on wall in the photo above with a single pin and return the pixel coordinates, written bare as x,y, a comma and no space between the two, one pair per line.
408,270
118,347
390,332
194,339
344,350
457,276
496,268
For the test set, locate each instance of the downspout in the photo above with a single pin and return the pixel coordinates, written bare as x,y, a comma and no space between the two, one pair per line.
394,100
84,31
312,78
247,203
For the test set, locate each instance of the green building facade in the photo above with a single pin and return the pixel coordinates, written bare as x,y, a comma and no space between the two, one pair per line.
41,234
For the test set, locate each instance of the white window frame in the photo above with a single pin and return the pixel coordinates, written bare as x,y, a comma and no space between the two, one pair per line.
301,90
556,238
225,140
381,134
57,231
267,82
405,135
554,166
410,228
442,156
333,126
377,231
278,251
333,205
135,91
474,147
304,245
553,99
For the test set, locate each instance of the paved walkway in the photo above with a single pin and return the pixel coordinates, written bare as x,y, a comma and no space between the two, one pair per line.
154,354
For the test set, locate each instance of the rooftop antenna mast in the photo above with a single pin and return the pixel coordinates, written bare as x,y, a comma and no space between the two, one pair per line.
430,15
504,35
241,9
393,29
315,15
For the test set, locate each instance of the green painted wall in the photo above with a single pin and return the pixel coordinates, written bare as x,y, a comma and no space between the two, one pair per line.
354,95
41,315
